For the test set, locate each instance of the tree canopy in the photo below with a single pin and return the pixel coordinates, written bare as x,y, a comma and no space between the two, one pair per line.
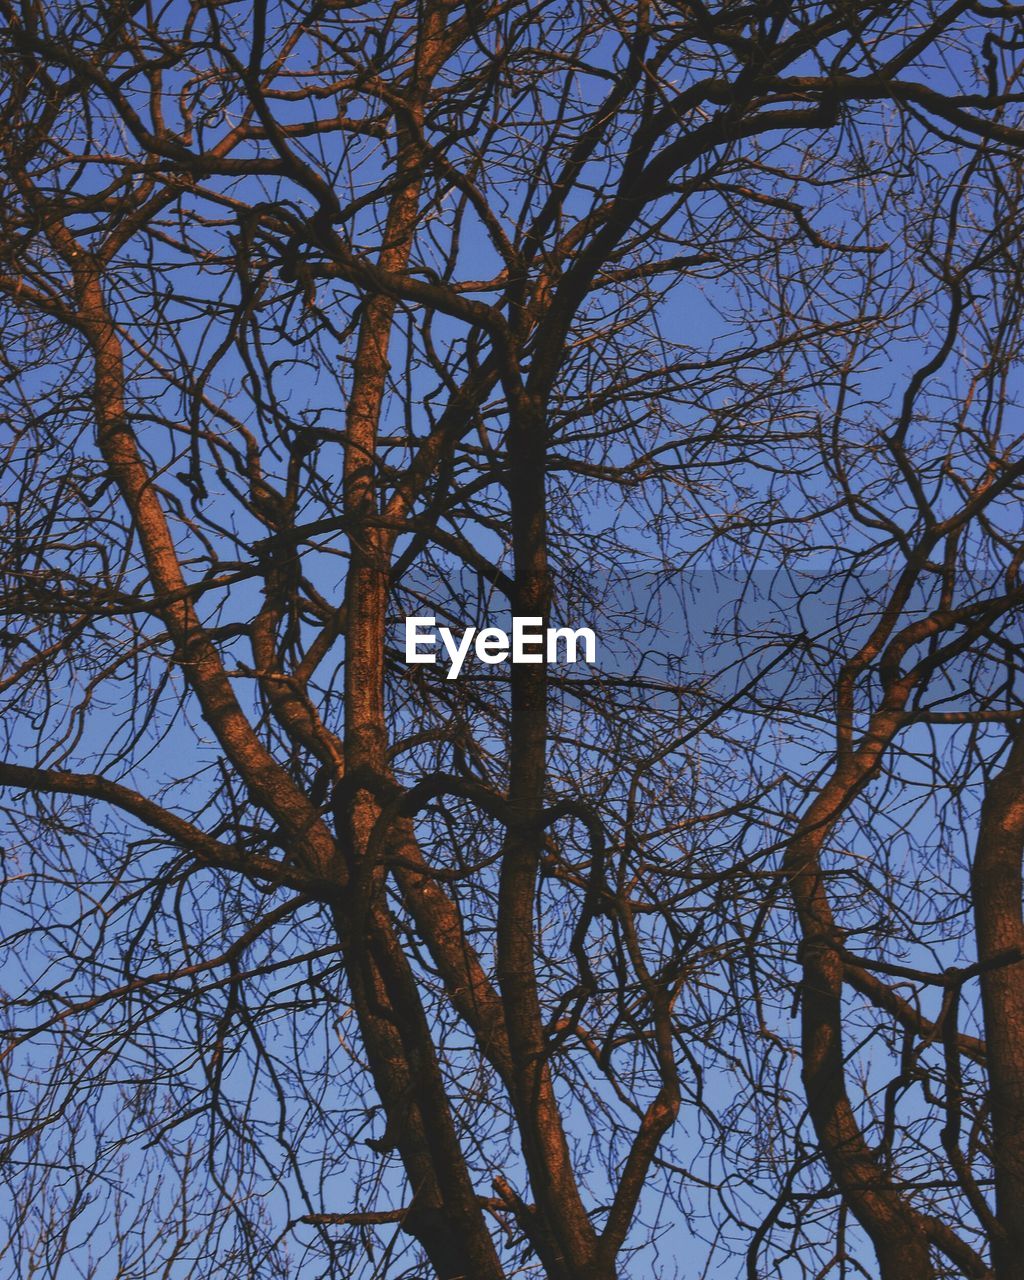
699,326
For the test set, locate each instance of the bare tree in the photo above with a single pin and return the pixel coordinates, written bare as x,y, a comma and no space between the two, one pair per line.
321,317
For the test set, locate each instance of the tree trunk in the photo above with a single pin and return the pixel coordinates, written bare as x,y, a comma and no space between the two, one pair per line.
996,880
